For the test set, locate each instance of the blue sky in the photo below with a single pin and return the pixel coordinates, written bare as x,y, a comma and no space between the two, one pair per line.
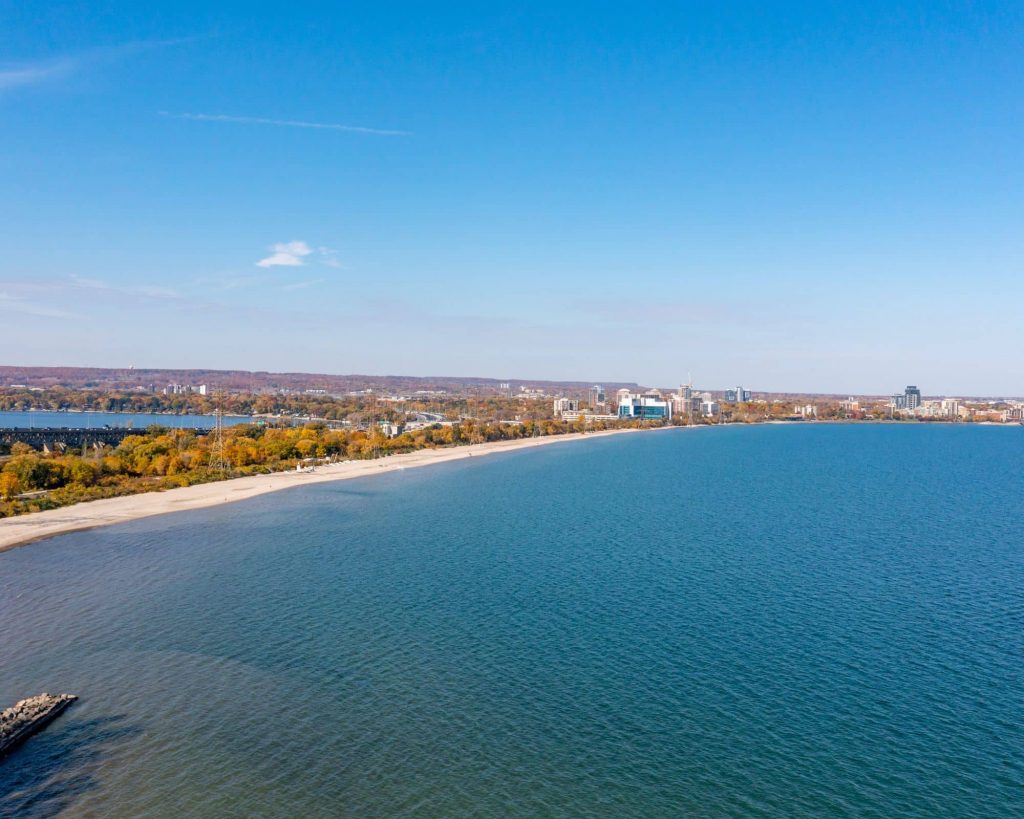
799,196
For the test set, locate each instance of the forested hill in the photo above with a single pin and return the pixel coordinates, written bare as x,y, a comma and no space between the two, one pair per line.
127,378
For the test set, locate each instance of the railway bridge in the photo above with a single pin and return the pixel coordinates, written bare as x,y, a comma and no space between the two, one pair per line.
59,439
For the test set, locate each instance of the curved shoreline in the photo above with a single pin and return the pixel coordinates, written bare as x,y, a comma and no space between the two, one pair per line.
23,529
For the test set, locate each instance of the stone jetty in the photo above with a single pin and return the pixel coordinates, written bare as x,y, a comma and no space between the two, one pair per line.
23,719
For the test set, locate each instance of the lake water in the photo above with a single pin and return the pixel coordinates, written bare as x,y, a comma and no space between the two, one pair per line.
746,621
94,420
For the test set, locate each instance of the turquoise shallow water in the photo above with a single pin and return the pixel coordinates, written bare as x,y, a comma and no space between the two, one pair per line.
749,621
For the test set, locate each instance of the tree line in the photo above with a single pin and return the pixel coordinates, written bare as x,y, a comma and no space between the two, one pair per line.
161,458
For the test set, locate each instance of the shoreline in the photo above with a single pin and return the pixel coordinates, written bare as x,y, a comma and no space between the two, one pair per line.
24,529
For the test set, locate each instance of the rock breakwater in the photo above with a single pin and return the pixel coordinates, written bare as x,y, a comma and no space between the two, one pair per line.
24,718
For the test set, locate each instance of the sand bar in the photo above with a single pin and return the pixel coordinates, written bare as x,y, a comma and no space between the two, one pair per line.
22,529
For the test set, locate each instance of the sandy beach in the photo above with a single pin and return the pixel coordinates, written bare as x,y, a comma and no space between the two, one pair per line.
23,529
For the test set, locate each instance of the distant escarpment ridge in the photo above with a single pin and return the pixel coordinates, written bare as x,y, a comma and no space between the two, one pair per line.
133,378
243,380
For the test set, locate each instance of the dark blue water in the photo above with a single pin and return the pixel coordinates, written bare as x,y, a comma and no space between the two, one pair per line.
749,621
94,420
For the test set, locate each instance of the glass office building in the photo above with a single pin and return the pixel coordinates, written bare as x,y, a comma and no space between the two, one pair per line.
647,407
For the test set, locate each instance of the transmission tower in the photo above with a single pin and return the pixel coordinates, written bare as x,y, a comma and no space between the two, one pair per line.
375,428
218,461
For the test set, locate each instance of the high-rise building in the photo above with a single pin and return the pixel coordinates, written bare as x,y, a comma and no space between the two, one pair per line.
566,406
737,395
597,396
710,409
912,398
648,405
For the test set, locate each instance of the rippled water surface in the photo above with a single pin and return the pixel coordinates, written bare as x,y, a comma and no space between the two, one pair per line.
757,621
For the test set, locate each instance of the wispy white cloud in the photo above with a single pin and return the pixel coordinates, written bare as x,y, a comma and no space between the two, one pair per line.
91,284
34,74
297,254
672,317
18,304
328,257
154,292
20,75
286,254
410,314
301,285
147,291
632,311
288,123
227,281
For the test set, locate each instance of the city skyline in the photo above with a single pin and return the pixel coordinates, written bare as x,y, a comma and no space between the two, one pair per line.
809,200
205,381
